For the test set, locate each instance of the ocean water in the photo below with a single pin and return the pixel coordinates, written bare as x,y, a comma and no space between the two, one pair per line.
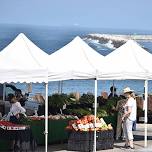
51,39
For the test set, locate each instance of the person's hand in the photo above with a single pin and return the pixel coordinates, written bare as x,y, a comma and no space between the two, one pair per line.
122,118
17,116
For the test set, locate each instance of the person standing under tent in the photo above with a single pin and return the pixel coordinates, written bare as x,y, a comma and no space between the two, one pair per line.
129,117
15,109
14,117
120,109
112,92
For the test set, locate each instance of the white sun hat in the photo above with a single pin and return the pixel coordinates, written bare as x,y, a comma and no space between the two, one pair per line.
127,90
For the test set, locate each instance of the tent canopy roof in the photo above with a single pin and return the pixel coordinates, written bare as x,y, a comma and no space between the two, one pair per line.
23,61
76,60
130,61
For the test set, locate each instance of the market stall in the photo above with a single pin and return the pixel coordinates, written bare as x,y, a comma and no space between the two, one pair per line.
22,61
130,61
76,60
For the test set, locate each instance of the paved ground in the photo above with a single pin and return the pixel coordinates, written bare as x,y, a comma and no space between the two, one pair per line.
118,146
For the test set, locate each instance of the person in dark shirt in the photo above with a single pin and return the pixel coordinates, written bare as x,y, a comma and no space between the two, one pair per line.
112,92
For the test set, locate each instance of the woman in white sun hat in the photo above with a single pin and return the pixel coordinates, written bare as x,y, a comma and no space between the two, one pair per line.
129,116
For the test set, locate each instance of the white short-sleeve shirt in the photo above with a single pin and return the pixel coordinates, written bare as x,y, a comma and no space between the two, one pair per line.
132,104
17,108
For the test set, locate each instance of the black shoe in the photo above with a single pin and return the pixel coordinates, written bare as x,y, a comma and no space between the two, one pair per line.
131,147
126,146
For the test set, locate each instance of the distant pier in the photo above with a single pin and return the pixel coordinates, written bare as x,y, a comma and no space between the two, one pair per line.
117,40
122,37
141,37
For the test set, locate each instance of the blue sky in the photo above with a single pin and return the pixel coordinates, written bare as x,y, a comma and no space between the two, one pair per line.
117,14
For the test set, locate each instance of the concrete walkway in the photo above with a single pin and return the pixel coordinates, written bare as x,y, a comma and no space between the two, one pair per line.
118,145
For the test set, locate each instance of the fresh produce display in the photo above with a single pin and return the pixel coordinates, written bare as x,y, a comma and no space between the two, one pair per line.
87,123
59,116
53,117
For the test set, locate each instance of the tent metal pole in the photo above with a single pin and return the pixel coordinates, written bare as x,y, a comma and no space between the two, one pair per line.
145,103
95,113
46,117
113,88
4,91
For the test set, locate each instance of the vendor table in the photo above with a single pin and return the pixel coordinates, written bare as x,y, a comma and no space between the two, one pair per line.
21,134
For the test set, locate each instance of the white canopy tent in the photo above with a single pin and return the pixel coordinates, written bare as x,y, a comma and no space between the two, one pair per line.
130,61
22,61
76,60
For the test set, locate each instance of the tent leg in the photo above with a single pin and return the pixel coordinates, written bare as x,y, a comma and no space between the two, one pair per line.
46,117
4,91
113,88
95,113
146,97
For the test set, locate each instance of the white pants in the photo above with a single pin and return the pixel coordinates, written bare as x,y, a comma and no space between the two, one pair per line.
127,129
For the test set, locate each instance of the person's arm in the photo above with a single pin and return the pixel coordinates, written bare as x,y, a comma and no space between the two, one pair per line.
22,110
127,113
117,107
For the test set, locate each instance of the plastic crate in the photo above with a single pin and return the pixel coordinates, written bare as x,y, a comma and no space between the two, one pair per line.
79,136
101,135
82,145
102,144
84,141
79,141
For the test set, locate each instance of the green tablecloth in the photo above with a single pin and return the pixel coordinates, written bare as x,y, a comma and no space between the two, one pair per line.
56,131
38,128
